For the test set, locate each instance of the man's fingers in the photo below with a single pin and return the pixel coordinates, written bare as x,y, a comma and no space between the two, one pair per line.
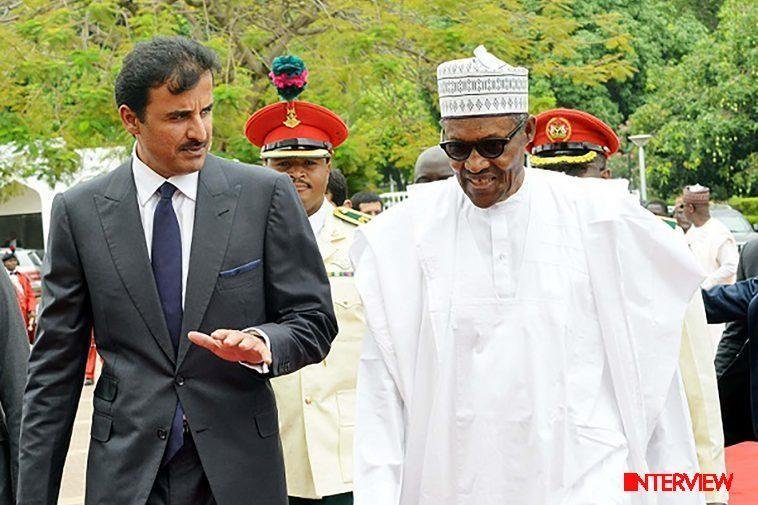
221,334
249,344
202,340
231,345
233,339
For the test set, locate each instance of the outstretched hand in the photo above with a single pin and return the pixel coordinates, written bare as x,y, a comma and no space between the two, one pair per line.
233,345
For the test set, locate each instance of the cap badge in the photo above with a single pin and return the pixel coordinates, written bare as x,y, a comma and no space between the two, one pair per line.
558,129
292,121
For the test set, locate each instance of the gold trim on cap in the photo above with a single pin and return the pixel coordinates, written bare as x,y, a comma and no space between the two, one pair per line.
540,161
296,153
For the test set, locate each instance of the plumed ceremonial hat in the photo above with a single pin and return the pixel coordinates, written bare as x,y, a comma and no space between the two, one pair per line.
294,128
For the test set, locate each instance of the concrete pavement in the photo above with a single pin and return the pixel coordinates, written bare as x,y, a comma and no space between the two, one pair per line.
72,487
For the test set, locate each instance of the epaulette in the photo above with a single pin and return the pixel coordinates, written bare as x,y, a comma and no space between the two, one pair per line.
669,221
351,216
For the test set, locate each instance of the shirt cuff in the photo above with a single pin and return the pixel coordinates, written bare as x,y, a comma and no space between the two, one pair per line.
260,367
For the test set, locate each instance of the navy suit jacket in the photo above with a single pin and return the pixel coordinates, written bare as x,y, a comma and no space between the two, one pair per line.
738,383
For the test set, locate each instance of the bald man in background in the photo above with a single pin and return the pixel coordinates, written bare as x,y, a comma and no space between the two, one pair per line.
432,165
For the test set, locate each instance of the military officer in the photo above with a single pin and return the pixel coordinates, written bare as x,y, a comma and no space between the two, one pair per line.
317,403
577,143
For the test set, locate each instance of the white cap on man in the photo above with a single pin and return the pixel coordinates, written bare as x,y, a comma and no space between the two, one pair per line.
482,86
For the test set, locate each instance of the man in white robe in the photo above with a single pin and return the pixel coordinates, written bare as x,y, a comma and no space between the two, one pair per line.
713,245
709,239
523,332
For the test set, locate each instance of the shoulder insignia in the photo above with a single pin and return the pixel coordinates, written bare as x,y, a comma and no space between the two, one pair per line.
669,221
351,216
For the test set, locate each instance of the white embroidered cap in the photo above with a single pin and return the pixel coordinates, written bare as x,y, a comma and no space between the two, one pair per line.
482,86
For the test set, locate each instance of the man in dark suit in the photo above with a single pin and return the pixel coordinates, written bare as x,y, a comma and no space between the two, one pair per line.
176,244
14,353
735,335
738,380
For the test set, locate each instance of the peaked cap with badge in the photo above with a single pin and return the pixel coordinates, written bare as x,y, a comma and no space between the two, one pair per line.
569,136
294,128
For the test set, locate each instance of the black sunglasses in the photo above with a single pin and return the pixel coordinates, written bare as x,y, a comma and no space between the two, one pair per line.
459,150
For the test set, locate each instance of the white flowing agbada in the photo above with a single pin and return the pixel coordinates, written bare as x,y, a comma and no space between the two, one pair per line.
525,353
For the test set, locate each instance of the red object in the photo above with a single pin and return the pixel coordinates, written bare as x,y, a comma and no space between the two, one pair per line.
89,371
267,125
27,302
742,460
557,126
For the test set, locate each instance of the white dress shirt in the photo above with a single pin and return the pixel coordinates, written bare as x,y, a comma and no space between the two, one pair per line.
318,218
183,201
148,182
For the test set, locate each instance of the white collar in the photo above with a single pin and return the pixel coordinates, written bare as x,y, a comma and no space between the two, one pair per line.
318,218
148,181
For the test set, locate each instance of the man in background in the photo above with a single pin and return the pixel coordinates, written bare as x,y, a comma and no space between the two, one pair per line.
336,189
658,207
712,243
317,403
367,202
737,365
573,142
14,353
684,223
709,239
432,165
738,302
24,293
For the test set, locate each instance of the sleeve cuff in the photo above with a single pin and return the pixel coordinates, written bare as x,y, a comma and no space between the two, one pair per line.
261,368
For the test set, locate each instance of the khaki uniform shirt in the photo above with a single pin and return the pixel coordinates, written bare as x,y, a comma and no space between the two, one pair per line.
317,403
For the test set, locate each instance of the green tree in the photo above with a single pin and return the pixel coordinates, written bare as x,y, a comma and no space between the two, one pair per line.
373,61
703,111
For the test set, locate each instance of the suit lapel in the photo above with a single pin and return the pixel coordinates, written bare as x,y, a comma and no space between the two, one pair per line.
214,211
122,226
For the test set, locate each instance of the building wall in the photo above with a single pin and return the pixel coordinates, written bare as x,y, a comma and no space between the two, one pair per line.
26,201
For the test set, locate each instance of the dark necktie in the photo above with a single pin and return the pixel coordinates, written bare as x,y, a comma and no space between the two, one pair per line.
167,269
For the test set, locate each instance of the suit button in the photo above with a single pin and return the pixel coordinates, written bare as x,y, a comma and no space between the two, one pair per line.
162,434
179,380
308,400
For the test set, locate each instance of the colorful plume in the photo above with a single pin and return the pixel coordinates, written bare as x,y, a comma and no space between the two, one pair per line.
289,75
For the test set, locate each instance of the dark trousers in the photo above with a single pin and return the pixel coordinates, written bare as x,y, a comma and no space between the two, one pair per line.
337,499
736,404
182,480
6,482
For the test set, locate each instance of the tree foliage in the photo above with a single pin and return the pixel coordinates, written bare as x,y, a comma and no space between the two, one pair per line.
372,61
703,111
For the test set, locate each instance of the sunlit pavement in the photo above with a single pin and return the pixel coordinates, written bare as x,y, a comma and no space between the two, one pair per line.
72,487
741,459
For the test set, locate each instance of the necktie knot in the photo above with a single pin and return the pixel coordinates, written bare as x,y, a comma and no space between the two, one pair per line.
167,190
